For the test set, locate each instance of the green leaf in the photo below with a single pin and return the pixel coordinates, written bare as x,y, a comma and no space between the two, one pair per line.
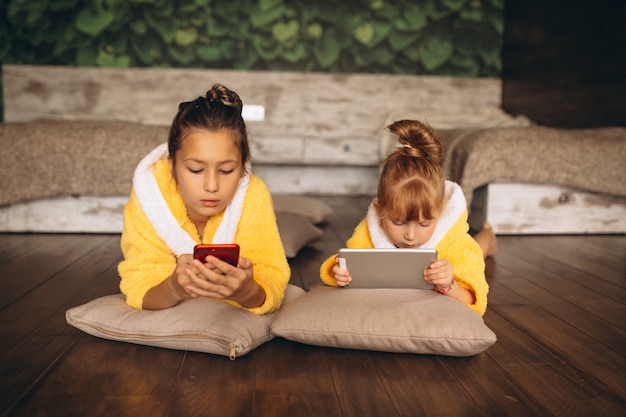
436,51
491,57
468,67
267,50
381,31
265,5
309,13
214,28
228,49
209,53
93,22
284,32
364,33
260,19
227,11
105,59
86,56
413,54
247,60
122,61
186,37
400,40
377,4
472,15
164,27
454,5
139,27
327,50
389,13
315,30
414,18
382,55
295,54
162,8
182,56
146,48
463,61
437,11
363,60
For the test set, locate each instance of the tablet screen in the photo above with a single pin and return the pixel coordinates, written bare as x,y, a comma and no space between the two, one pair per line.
387,268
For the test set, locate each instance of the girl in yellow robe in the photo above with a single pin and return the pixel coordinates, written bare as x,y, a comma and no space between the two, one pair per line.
198,188
417,208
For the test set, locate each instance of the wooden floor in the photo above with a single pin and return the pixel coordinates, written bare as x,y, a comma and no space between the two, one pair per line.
557,305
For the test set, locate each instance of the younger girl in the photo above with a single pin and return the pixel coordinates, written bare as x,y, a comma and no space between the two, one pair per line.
198,188
417,208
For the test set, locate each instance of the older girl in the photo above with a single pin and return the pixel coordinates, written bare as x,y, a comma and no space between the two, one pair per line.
198,188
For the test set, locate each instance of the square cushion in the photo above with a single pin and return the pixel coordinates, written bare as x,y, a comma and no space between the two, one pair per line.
198,324
313,209
296,232
390,320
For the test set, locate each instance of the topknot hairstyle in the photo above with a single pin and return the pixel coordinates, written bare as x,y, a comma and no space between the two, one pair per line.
412,184
219,109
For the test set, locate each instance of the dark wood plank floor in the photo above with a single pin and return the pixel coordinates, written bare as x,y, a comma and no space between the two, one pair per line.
557,304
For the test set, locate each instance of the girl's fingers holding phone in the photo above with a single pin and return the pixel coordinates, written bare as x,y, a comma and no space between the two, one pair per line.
211,281
200,292
204,286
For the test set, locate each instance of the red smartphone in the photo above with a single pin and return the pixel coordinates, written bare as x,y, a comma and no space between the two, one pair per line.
228,252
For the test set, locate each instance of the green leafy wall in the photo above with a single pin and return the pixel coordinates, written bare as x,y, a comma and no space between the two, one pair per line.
443,37
430,37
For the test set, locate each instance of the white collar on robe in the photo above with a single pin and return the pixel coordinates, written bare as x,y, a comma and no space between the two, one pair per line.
454,207
165,224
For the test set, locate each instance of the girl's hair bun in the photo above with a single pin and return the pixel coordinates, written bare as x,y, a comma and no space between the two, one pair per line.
220,93
418,140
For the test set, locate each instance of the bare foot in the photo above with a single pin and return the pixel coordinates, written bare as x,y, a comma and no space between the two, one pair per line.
486,239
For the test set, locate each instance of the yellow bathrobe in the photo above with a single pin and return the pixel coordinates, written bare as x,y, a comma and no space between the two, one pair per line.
452,242
148,260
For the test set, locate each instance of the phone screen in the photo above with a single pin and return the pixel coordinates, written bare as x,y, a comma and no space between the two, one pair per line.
226,252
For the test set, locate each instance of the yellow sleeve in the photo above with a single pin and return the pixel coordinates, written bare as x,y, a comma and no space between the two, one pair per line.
467,260
360,239
147,259
258,236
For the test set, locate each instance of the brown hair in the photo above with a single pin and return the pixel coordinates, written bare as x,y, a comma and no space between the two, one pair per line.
412,184
219,109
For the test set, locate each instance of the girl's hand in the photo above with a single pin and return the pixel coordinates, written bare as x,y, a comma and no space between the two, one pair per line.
219,279
179,280
440,274
342,276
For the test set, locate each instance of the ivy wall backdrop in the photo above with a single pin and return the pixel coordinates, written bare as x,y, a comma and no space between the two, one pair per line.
429,37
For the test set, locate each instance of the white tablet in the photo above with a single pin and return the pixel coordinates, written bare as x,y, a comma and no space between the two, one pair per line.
387,268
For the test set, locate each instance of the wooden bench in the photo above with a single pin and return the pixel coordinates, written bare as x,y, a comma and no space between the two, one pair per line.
79,132
320,132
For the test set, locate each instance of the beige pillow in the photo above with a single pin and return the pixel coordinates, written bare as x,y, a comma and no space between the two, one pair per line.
312,208
389,320
296,232
200,324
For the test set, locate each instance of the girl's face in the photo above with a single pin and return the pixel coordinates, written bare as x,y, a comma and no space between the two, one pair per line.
411,234
207,169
